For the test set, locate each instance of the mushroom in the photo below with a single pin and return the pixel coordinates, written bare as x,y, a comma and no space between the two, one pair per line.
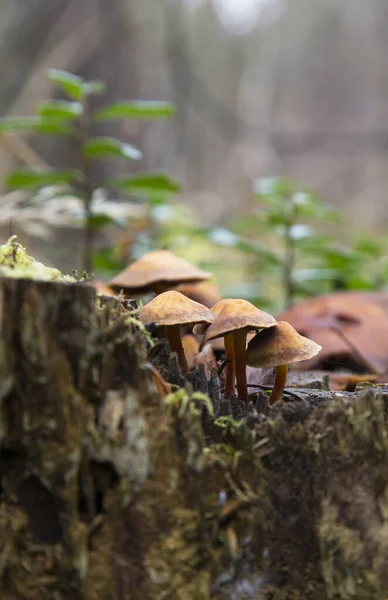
233,319
101,287
190,346
205,292
171,310
278,347
157,271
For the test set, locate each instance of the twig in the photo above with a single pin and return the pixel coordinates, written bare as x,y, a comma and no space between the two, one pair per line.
355,351
286,391
87,189
17,146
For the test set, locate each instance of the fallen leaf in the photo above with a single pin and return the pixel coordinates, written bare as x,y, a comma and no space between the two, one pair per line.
351,327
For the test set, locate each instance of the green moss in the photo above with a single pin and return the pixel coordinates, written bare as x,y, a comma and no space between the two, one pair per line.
15,263
181,401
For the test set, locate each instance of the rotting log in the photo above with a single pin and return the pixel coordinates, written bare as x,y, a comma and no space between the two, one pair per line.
328,488
106,492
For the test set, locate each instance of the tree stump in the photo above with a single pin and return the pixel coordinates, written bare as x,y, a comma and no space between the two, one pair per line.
106,491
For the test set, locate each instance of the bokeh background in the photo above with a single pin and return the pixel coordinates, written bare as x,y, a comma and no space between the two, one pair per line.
296,88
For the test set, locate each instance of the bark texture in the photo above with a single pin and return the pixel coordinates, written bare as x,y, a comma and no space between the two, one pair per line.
106,491
109,492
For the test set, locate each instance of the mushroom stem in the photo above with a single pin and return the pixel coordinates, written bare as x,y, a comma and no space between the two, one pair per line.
280,382
230,372
159,382
174,339
239,345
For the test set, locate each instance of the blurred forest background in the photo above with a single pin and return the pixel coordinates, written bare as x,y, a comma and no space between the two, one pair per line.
262,87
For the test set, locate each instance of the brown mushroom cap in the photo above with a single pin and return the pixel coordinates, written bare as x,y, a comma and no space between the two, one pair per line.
101,287
233,314
173,308
205,292
156,267
280,345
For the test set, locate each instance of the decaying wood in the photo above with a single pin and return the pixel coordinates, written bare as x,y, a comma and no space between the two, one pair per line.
106,491
109,491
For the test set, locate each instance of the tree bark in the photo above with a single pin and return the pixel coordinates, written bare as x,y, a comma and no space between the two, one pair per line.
109,492
106,492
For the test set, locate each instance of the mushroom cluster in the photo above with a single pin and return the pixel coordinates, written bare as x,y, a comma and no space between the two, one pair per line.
178,286
233,320
276,344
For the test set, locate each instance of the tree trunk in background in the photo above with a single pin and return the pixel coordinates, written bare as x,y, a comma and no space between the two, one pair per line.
80,36
302,92
22,41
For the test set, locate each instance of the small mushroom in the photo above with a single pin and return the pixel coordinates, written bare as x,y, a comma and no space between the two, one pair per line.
171,310
157,271
190,346
205,292
233,320
101,287
278,347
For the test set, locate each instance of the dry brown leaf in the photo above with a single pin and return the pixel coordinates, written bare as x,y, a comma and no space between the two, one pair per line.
351,327
207,358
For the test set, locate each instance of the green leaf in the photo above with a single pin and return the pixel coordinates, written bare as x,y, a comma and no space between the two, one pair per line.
340,257
34,123
300,231
18,123
156,200
370,247
314,244
54,127
359,283
101,220
60,109
271,201
273,186
146,182
303,290
224,237
319,212
91,88
137,109
33,179
106,260
274,217
308,205
302,275
163,213
247,225
327,213
108,147
71,84
257,250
